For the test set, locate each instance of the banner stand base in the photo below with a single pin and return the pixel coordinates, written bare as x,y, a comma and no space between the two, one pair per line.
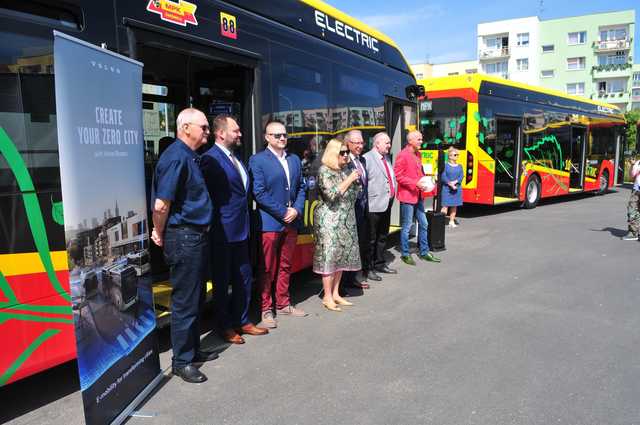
143,394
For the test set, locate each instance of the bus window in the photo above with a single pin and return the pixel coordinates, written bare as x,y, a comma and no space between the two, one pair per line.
443,123
549,148
602,141
300,94
27,108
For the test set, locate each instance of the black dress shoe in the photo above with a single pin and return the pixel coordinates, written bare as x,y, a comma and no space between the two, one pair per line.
205,356
190,374
372,275
386,269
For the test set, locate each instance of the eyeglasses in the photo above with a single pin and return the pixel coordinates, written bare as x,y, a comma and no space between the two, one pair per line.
205,127
344,153
278,135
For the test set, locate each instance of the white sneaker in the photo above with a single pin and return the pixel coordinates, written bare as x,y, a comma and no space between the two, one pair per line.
452,224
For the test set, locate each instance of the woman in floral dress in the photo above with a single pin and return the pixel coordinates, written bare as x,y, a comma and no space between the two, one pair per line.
334,223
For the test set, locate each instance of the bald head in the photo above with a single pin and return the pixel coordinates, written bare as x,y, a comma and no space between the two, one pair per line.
382,143
414,139
355,142
193,127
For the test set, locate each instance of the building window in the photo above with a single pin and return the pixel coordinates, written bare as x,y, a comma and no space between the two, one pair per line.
613,34
575,88
523,39
612,86
636,79
548,48
617,58
419,76
496,68
453,73
522,64
579,37
576,64
547,73
475,71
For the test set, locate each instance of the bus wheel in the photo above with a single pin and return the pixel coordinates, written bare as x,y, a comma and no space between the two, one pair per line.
532,192
604,183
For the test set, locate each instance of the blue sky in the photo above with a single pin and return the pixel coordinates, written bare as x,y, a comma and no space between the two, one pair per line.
445,31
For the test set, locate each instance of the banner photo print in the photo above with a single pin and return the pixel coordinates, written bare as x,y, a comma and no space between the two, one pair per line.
99,116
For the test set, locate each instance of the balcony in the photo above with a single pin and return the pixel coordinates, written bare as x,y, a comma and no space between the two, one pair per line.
612,45
611,70
635,97
485,54
619,97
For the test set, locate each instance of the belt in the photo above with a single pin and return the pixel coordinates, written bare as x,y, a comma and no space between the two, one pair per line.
196,227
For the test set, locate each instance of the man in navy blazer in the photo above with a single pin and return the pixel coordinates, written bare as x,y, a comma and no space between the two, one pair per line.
228,184
279,192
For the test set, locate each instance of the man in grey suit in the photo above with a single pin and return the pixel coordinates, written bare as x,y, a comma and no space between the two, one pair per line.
382,189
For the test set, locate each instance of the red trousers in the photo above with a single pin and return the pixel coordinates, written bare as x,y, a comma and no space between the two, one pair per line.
277,250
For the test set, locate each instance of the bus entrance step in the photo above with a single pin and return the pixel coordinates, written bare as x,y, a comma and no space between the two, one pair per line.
497,200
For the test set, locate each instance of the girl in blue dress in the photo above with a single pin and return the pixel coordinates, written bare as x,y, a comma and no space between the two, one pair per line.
451,182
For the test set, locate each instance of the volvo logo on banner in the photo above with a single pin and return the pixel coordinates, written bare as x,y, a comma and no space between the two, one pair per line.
345,31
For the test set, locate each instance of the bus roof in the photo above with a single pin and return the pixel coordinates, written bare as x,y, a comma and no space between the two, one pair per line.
317,18
347,19
474,81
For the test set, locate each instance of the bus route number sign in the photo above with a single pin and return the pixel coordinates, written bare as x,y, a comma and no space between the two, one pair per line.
228,26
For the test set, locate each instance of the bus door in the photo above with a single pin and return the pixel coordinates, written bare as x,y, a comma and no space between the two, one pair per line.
400,118
178,74
578,155
507,149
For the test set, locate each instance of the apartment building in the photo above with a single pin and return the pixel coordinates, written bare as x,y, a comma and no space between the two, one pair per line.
635,87
427,70
508,49
589,55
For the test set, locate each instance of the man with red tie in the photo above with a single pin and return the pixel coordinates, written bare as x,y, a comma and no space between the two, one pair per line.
409,173
381,191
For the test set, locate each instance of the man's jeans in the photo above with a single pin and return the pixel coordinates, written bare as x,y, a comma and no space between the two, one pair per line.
409,213
186,253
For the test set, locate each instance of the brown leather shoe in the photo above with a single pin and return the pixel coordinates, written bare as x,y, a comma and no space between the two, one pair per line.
251,329
231,336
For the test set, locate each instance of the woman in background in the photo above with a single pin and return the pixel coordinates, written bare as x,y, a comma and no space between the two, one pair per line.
334,223
451,190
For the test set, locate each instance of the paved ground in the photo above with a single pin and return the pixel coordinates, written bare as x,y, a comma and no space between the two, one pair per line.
532,318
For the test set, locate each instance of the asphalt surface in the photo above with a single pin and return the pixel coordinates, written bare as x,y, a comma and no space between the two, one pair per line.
531,318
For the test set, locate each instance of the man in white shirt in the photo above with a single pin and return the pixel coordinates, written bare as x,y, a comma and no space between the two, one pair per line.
355,144
279,192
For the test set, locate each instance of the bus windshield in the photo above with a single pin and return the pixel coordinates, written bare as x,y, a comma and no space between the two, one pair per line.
443,123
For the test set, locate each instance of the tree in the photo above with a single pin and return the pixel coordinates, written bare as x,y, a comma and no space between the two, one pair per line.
632,117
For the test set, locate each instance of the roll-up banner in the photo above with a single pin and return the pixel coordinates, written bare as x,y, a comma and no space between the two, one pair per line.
99,117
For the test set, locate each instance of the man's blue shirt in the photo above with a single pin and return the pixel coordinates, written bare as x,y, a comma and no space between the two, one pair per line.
178,179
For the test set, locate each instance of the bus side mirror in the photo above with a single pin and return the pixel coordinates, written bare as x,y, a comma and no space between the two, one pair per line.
414,91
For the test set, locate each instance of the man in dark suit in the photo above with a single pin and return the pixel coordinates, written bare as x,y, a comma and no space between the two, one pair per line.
228,183
279,192
355,143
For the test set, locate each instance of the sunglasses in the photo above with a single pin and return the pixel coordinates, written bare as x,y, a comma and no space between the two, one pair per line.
204,127
344,153
278,135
